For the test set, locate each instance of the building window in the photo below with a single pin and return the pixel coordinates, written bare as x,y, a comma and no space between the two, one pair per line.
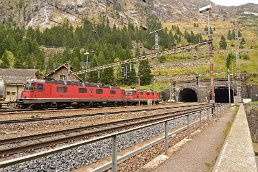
112,91
8,93
61,89
13,93
40,87
99,91
63,77
82,90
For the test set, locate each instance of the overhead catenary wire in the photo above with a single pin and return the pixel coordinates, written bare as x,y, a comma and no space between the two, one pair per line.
177,50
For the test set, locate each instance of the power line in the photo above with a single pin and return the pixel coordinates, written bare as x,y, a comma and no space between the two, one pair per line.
177,50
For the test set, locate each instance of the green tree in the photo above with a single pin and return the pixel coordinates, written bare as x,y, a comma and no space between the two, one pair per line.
242,43
8,59
229,60
145,72
229,36
223,43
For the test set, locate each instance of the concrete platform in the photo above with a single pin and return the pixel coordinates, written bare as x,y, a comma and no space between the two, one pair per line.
237,153
199,153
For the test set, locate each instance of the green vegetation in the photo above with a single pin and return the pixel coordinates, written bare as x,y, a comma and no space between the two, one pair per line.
223,43
252,103
20,48
23,48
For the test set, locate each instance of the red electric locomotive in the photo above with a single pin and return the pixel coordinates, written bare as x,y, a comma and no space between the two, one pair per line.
60,94
135,96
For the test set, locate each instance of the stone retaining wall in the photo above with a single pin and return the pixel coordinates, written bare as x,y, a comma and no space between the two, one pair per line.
252,118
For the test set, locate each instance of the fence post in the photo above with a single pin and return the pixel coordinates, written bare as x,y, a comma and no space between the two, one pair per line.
188,126
114,153
166,137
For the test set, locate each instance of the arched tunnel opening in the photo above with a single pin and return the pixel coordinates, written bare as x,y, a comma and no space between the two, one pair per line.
187,95
221,95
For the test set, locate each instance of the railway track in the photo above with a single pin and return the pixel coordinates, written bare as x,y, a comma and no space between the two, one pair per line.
13,146
38,119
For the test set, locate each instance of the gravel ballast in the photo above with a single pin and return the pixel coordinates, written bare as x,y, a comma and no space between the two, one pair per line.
83,155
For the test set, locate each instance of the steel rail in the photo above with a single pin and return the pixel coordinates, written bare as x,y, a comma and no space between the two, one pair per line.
34,156
116,125
37,119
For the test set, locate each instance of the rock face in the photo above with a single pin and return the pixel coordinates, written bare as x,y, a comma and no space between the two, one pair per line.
252,117
46,13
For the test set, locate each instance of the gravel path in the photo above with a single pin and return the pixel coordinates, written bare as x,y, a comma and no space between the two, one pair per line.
200,153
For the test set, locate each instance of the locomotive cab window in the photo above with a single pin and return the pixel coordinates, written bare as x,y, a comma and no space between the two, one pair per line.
82,90
99,91
61,89
112,91
40,87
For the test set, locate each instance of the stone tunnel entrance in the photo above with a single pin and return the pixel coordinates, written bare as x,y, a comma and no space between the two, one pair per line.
221,95
187,95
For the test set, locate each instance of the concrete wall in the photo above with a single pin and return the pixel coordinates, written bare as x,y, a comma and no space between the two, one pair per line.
13,92
252,118
237,153
203,89
252,92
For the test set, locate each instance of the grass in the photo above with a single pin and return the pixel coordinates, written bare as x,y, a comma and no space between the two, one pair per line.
208,165
252,103
248,66
227,131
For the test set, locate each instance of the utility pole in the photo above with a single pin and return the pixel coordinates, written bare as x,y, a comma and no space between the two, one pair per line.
212,97
211,62
229,96
139,82
156,32
170,90
86,63
238,74
154,96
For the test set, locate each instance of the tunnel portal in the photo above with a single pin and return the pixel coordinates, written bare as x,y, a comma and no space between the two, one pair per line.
221,95
187,95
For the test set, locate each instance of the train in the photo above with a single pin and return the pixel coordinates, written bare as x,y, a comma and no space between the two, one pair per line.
39,94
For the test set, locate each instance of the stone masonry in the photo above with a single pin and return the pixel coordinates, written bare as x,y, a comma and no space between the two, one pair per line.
252,118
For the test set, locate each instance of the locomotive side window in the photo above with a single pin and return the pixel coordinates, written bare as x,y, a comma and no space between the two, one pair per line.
112,91
147,93
61,89
99,91
141,93
40,87
82,90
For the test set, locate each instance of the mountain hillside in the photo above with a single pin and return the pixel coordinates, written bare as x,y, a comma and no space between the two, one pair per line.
39,13
76,26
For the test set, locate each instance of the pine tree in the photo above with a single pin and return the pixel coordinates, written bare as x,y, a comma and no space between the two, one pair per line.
145,72
229,36
223,43
229,59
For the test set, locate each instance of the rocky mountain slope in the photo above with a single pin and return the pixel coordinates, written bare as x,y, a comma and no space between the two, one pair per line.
45,13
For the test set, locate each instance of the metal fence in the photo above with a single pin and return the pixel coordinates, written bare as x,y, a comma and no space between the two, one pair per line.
204,113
